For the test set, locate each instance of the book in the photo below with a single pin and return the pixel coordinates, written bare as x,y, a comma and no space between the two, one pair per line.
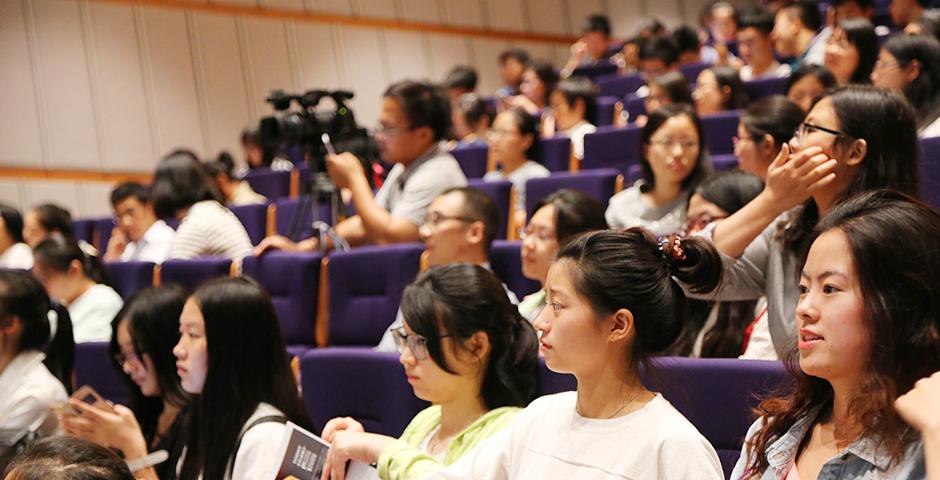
303,455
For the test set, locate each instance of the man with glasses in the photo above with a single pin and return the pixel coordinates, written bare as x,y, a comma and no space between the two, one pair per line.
460,227
756,48
414,119
138,234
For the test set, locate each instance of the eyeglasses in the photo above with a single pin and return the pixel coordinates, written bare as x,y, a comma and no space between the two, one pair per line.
383,131
500,134
807,128
121,358
541,235
735,140
434,219
417,345
882,65
668,144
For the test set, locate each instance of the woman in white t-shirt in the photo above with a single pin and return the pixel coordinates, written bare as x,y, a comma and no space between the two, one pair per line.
612,304
14,252
76,279
514,143
231,358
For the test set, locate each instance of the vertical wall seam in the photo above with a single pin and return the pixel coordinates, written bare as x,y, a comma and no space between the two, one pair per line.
146,67
32,44
293,56
248,70
199,73
382,39
91,57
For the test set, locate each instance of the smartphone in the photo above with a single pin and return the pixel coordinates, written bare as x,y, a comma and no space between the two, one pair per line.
85,394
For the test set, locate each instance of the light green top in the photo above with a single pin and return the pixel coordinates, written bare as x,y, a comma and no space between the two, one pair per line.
402,459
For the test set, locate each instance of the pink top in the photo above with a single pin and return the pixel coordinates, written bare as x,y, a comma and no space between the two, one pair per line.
793,474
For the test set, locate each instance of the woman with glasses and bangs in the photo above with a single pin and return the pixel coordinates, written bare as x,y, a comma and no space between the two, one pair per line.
465,349
854,139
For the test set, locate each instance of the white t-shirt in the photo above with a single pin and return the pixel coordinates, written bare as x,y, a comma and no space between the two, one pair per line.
576,134
549,440
19,256
776,70
154,246
519,177
27,392
92,312
210,229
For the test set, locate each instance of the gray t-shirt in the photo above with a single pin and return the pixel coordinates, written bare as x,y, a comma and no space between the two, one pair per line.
628,209
408,191
519,177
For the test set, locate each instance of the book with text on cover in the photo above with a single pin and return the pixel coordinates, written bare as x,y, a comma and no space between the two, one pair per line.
303,455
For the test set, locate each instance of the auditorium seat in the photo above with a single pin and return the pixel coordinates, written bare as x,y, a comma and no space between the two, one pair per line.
930,170
501,194
555,153
616,85
611,147
368,386
724,161
597,70
506,263
364,290
472,159
292,280
93,366
270,183
719,130
600,184
129,277
606,106
284,216
635,106
765,87
103,228
84,229
254,218
193,272
692,70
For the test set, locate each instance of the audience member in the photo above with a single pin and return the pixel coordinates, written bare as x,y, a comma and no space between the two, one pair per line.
234,190
767,123
143,335
558,218
613,304
918,407
43,220
138,234
851,51
866,334
67,458
756,47
658,56
911,64
538,82
689,45
592,47
28,390
471,119
460,81
665,89
927,24
512,64
14,252
904,12
476,380
230,341
414,119
721,23
795,33
855,139
260,153
76,279
674,161
574,106
182,190
514,144
807,83
719,89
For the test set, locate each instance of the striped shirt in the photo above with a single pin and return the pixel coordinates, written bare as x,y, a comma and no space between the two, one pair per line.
210,229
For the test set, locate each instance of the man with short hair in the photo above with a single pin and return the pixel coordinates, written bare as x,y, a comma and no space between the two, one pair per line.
460,80
512,64
460,227
755,46
138,234
414,119
795,33
592,47
658,55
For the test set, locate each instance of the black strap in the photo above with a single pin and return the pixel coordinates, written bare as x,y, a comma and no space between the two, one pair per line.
267,419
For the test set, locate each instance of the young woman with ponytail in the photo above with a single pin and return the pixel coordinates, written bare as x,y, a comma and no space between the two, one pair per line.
467,350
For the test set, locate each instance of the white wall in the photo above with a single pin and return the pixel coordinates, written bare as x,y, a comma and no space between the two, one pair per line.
102,86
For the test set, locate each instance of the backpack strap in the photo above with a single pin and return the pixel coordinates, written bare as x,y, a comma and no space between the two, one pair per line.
238,443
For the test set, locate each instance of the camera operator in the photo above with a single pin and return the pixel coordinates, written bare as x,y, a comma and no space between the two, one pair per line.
414,119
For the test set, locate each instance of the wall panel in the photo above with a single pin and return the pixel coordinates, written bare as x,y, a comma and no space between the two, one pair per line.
20,132
268,56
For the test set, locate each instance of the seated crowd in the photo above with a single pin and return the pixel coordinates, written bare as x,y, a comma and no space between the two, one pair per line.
816,251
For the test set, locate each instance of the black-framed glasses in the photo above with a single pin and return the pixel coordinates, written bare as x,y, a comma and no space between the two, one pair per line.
434,219
417,345
807,128
120,358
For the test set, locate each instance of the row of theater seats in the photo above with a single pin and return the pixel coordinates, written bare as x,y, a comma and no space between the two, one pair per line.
716,395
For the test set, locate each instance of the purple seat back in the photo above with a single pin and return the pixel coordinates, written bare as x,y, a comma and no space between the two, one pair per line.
499,192
472,159
193,272
254,218
635,106
605,111
506,263
765,87
84,229
719,130
599,184
930,170
725,161
611,147
292,280
129,277
548,382
284,215
103,228
293,153
365,290
93,366
691,71
600,69
357,382
555,153
616,85
269,183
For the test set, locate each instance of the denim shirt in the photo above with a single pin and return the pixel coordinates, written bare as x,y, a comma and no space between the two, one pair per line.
861,460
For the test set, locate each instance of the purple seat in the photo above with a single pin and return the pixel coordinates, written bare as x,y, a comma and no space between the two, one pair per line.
292,280
605,111
725,161
84,229
93,366
284,215
365,287
600,69
599,184
193,272
254,218
357,382
269,183
765,87
611,147
555,153
691,71
616,85
499,192
635,106
506,263
293,153
472,159
548,382
103,228
930,170
719,130
129,277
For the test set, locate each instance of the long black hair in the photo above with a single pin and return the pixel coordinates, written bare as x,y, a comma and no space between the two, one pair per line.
54,218
58,252
247,365
461,300
178,183
861,33
13,222
575,212
924,91
656,120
